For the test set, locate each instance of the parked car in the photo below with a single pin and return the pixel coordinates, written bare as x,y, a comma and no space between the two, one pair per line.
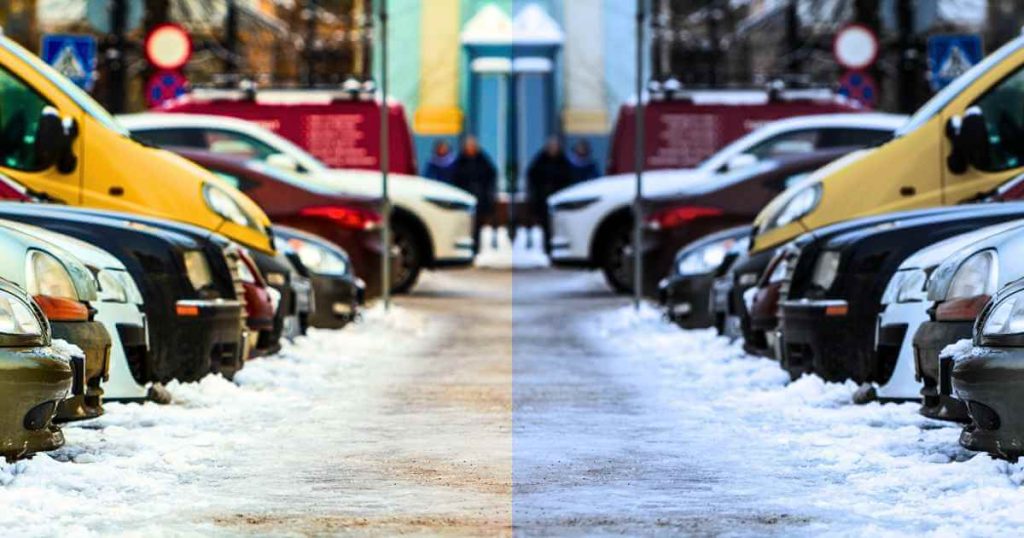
432,221
64,144
193,314
829,309
591,222
337,291
988,377
66,291
955,147
905,306
35,377
958,289
686,293
732,199
351,222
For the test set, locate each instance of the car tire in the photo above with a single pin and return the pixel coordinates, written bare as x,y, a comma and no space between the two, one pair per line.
614,257
411,254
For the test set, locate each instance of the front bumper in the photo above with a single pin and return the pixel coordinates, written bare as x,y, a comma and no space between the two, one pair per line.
816,340
95,342
894,350
687,300
990,381
35,380
130,343
931,338
211,340
764,337
338,300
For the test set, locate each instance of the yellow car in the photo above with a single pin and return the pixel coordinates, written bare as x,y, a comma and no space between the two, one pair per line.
58,141
965,141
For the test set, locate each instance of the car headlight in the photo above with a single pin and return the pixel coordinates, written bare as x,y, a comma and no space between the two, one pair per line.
46,275
198,269
111,287
906,286
319,259
977,275
17,317
826,269
1006,317
704,259
221,203
802,203
779,271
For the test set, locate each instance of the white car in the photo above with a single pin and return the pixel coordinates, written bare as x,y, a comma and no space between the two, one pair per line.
588,219
906,305
432,221
119,304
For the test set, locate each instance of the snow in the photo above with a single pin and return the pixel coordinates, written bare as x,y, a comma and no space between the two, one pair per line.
876,469
499,251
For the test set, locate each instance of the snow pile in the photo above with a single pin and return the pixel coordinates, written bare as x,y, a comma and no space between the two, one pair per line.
861,470
499,251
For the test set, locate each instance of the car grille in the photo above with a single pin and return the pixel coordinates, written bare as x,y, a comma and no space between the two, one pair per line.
232,258
791,255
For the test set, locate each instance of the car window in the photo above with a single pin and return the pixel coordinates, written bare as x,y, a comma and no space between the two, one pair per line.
853,138
234,143
1004,117
793,142
20,110
171,138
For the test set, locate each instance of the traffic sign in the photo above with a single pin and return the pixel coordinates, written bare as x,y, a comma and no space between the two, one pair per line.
168,46
74,56
859,86
164,86
855,47
950,56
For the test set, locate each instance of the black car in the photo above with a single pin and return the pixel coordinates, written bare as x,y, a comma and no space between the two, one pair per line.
194,316
686,293
830,306
337,291
990,377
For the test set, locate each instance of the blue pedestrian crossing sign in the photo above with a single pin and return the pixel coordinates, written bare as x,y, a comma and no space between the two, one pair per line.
74,56
950,56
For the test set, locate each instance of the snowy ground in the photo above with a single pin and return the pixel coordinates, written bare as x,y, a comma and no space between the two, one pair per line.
491,403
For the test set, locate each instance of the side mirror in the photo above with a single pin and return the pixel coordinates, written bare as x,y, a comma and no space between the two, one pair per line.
54,139
969,138
284,162
742,160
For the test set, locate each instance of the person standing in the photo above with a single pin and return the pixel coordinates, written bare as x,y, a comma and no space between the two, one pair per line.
549,172
442,162
583,166
473,172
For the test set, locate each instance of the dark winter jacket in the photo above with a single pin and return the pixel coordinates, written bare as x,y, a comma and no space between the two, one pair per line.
547,175
478,176
440,168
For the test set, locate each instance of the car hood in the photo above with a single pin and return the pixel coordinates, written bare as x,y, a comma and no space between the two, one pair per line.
623,186
935,254
368,183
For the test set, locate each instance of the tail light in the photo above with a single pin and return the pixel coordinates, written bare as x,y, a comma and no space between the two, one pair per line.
346,217
965,309
678,216
62,309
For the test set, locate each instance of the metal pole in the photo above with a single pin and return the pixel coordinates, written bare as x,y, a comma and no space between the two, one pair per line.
385,230
638,273
231,39
117,63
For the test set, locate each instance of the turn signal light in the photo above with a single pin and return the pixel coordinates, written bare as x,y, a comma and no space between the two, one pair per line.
187,310
679,216
62,309
837,310
346,217
965,309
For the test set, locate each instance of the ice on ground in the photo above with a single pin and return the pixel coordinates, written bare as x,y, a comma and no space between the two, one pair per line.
499,251
876,469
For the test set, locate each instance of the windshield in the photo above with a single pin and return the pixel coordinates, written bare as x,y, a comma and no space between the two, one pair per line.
311,183
719,159
955,88
76,94
286,147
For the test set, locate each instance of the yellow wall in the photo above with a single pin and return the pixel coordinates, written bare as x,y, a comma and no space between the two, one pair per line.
438,112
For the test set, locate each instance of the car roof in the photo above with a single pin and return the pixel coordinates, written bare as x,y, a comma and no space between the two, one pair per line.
171,119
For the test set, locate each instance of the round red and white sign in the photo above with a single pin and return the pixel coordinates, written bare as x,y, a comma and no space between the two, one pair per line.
855,47
168,46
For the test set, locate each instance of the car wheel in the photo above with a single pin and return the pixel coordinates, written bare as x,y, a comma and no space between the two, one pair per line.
615,261
410,254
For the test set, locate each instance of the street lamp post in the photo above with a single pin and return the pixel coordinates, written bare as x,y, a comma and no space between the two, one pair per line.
638,150
385,230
